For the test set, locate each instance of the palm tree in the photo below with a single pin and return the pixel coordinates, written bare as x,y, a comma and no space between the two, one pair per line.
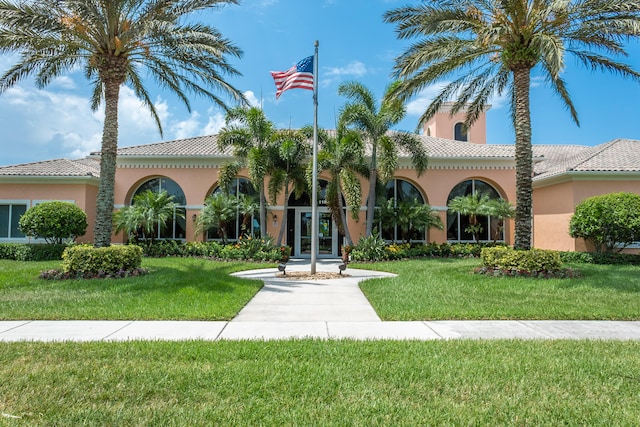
248,133
247,207
474,205
343,156
494,45
113,41
289,153
410,216
414,216
219,210
500,209
148,215
375,121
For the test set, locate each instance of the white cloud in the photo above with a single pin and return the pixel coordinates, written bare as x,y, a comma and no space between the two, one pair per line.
251,97
63,82
44,124
187,128
354,69
215,123
418,105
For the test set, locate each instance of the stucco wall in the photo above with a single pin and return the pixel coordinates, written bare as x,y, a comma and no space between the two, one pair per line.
83,195
554,205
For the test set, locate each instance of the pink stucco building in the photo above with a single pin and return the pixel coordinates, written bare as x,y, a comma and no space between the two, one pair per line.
460,161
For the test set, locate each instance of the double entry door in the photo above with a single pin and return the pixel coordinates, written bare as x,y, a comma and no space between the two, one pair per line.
327,233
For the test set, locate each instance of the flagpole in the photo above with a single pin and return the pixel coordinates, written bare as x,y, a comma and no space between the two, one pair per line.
314,185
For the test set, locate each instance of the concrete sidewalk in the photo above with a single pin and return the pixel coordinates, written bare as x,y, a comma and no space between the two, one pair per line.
322,309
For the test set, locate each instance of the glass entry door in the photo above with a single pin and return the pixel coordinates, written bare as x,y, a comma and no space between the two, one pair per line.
327,234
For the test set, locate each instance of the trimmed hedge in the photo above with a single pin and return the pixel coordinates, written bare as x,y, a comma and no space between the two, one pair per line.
85,260
31,251
249,249
534,260
607,258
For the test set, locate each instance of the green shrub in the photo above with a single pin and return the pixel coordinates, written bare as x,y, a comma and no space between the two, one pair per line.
534,260
610,221
607,258
83,260
370,248
31,251
55,222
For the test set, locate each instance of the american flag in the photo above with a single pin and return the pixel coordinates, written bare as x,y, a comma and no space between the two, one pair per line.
300,76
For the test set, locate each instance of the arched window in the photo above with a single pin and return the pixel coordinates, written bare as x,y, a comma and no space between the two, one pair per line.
460,132
239,227
177,227
393,221
457,223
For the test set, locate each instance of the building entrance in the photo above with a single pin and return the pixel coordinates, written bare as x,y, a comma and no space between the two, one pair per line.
327,234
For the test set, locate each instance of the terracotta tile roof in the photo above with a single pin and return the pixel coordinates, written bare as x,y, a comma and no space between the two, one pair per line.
446,148
619,155
206,146
54,168
201,146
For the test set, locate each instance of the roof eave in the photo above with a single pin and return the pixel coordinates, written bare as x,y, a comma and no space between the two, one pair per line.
566,176
49,179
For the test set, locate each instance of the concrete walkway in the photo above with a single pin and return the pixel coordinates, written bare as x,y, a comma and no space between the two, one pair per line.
323,309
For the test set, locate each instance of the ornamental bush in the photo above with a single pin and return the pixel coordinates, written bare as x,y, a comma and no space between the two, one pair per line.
610,222
31,252
87,261
55,222
508,259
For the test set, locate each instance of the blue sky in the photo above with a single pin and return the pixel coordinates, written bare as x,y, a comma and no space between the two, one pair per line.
56,122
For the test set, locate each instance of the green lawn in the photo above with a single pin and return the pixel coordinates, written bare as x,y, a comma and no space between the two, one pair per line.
176,288
321,383
200,289
447,289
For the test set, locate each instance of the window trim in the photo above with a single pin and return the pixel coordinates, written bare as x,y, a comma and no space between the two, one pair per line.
11,202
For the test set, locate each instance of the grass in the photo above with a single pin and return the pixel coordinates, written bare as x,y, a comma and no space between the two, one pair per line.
308,382
176,288
429,289
446,289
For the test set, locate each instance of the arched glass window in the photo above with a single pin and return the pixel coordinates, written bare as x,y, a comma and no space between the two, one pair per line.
460,132
177,227
239,227
457,223
393,221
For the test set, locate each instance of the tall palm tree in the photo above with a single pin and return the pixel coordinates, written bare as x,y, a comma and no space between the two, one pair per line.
248,132
113,41
491,47
375,121
343,156
290,151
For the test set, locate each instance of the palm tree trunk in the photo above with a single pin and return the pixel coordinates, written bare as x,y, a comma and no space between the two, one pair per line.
283,225
343,218
524,159
105,198
371,199
263,212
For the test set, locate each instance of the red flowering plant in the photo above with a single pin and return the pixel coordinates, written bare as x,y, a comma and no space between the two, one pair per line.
285,253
